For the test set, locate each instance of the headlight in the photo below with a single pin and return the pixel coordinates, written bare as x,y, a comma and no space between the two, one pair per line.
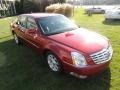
78,59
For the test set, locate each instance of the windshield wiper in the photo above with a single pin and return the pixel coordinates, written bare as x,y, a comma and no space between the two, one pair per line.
65,30
55,33
70,29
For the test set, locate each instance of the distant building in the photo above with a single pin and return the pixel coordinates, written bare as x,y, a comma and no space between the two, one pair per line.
95,2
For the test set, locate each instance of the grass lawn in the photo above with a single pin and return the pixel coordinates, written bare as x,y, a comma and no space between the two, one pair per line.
22,69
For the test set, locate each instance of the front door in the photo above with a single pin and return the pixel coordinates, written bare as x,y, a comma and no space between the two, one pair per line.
31,32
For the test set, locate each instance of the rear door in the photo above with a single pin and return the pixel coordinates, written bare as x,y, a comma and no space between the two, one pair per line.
22,26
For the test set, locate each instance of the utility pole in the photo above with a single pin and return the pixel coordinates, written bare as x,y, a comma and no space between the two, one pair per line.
14,7
7,6
10,6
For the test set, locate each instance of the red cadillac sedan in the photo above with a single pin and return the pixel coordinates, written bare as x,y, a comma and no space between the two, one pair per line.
65,46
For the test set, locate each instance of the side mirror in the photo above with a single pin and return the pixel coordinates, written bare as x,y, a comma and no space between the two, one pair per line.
17,22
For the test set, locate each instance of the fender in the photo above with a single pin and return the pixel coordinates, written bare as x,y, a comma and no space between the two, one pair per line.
62,51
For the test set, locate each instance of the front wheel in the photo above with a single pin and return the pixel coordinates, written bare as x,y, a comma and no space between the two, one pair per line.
53,62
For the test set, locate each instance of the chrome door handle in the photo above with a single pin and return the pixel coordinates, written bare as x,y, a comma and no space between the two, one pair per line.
35,36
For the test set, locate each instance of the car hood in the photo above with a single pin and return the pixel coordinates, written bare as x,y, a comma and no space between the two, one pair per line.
81,40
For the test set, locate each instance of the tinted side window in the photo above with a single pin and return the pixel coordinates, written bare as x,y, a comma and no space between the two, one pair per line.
31,24
22,21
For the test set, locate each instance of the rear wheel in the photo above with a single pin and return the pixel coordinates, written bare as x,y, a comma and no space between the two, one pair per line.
53,62
16,39
103,11
107,19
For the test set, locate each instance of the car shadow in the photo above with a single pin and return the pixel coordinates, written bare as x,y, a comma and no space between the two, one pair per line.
111,22
23,69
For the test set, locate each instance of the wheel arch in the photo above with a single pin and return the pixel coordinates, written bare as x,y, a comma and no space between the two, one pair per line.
45,51
13,32
56,53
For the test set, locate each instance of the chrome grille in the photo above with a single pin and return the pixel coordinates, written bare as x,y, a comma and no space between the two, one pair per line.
102,56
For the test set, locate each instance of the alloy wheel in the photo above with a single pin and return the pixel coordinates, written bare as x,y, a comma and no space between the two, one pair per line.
53,63
16,39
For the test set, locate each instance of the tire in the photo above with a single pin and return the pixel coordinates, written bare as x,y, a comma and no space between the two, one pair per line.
103,11
53,63
16,39
86,12
107,19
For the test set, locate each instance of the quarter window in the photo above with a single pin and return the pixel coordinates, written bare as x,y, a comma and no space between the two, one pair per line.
22,21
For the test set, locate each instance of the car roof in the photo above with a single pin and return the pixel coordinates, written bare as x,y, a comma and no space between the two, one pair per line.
38,15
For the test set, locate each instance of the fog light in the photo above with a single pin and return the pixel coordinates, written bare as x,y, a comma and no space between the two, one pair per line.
82,76
78,76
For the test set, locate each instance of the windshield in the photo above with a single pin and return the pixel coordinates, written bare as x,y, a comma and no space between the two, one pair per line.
56,24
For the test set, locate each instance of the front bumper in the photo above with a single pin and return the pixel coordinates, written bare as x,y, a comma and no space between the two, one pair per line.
111,16
90,70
